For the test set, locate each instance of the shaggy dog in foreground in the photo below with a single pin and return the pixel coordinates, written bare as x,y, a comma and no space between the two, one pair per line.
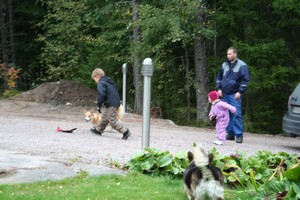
96,117
201,179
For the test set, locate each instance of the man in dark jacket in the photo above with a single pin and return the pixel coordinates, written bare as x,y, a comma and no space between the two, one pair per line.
232,81
109,96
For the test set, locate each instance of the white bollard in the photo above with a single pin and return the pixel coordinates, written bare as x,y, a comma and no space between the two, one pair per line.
147,71
124,71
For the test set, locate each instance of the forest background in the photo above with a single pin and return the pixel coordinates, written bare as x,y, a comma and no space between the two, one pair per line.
51,40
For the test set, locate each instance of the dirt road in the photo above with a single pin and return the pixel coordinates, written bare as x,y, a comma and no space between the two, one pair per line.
29,128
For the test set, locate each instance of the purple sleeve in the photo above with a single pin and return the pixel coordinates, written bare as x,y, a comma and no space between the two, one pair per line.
229,107
212,111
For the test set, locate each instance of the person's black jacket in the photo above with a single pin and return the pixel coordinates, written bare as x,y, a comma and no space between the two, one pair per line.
107,93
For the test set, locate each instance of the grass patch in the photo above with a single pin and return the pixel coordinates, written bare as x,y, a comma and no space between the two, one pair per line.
131,186
109,187
258,177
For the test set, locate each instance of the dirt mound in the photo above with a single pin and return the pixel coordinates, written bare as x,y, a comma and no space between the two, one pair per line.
61,92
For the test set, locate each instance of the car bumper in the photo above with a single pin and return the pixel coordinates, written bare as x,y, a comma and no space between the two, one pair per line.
291,125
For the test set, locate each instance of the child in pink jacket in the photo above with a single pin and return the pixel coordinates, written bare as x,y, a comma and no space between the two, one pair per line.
219,111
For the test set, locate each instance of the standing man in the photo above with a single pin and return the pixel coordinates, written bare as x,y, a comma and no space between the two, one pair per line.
232,81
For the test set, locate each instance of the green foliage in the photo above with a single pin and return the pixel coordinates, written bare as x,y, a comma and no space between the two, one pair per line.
109,45
168,32
26,14
266,173
156,162
138,186
279,190
293,173
265,166
65,38
256,30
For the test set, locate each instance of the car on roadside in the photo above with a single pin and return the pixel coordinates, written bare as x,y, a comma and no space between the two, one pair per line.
291,120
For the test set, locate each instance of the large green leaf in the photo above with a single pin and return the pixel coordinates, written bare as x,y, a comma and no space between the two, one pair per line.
164,160
137,155
181,155
293,174
145,166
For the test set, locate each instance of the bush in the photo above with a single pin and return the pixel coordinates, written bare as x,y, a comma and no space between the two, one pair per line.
9,76
264,173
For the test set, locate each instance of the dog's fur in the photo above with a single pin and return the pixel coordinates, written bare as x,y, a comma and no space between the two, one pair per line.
201,179
96,117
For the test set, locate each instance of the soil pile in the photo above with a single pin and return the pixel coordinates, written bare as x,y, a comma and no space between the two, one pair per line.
61,93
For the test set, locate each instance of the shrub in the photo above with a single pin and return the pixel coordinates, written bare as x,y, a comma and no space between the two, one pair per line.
9,75
264,174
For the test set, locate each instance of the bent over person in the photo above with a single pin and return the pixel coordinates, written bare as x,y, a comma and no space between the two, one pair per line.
109,96
232,81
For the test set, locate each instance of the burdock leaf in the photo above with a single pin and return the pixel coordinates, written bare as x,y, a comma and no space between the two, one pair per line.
293,174
164,160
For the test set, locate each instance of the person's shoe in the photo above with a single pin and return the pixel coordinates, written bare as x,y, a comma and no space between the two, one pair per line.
218,142
93,130
126,135
239,140
229,137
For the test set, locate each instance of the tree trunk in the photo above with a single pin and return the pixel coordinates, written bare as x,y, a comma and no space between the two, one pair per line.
137,59
215,35
201,73
201,79
11,33
3,34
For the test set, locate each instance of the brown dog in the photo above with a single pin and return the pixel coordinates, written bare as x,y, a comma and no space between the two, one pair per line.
96,117
201,179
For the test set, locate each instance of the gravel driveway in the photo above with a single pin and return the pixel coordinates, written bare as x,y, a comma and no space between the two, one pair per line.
30,128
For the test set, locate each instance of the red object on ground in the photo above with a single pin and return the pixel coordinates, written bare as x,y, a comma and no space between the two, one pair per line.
65,131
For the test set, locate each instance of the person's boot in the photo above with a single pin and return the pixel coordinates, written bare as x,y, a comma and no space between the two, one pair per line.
93,130
229,137
126,135
239,139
